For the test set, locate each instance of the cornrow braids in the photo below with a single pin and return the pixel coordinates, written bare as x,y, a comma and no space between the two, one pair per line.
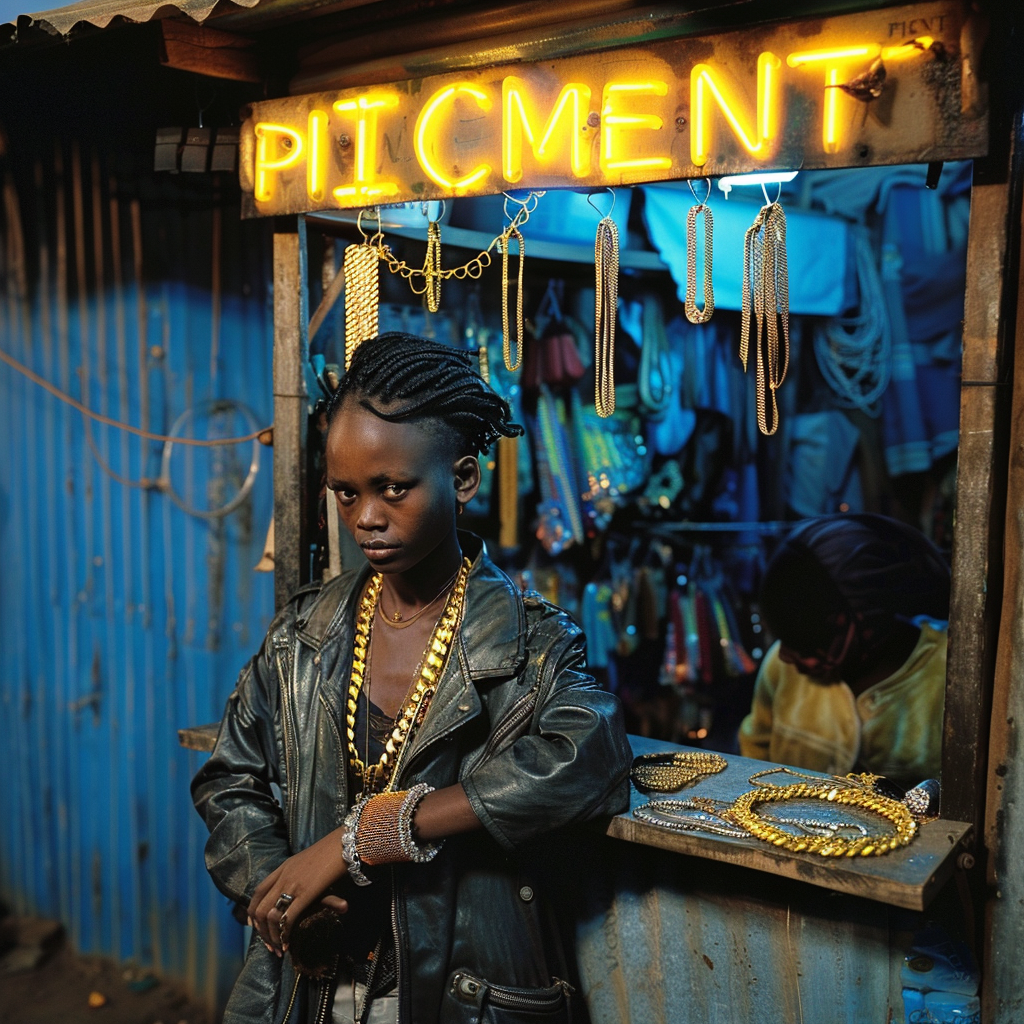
400,377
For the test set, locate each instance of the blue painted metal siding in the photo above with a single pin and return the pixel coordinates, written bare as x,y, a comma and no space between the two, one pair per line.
122,617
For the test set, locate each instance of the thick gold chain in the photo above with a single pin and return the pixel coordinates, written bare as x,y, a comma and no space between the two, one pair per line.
427,676
666,773
362,297
693,314
606,302
766,277
744,812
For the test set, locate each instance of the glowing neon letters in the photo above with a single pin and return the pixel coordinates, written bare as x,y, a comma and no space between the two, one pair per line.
707,83
569,111
479,134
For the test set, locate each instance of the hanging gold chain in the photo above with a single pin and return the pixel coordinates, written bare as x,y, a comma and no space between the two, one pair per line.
693,314
606,301
362,296
506,334
432,267
766,276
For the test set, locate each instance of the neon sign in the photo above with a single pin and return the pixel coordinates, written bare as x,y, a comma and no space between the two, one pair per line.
674,109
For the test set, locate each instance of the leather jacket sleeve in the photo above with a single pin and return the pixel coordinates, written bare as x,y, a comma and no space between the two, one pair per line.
233,790
573,764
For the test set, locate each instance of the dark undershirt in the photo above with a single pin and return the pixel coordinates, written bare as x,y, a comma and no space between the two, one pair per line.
368,921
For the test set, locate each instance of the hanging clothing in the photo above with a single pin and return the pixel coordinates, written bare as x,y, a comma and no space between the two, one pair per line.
893,728
923,278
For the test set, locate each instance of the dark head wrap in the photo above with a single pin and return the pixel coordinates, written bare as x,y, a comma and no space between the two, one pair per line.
862,567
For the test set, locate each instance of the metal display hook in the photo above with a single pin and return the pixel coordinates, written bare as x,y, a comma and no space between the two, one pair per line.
704,201
590,201
778,195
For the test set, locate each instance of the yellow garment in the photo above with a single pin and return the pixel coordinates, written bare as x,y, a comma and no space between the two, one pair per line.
894,728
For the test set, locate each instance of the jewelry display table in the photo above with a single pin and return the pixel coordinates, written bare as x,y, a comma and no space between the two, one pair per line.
908,877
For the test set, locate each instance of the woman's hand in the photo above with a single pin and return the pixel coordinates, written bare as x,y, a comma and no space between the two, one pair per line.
305,877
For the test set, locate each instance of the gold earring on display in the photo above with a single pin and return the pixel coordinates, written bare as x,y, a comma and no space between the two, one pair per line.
606,301
362,289
693,314
766,276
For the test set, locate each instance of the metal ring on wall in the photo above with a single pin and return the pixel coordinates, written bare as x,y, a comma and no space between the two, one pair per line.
212,406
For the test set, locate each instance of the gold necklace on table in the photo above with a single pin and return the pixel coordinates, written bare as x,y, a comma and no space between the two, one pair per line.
666,773
396,620
381,776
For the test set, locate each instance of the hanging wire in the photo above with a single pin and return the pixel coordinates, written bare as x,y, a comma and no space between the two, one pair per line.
108,421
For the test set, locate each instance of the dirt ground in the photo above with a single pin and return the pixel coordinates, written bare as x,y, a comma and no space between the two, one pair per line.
58,991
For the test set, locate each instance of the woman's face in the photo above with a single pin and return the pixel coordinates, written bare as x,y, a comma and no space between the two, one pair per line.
397,490
823,665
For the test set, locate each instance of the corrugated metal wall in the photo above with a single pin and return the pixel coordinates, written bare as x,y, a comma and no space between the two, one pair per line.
123,617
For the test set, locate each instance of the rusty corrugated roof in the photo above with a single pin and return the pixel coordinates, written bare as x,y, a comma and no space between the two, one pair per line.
61,20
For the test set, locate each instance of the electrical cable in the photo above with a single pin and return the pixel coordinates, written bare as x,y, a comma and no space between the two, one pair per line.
108,421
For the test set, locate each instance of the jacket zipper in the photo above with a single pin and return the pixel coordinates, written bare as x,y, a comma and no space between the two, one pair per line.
325,993
284,673
510,998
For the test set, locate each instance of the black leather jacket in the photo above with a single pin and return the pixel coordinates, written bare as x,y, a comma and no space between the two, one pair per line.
535,743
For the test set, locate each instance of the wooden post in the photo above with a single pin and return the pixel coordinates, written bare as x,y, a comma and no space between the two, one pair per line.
291,418
980,506
1003,988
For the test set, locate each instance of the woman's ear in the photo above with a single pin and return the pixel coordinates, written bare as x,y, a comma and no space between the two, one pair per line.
466,472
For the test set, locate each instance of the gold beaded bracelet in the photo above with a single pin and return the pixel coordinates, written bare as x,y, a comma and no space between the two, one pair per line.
377,840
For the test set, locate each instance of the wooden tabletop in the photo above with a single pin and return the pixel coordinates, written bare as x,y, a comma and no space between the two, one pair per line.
908,877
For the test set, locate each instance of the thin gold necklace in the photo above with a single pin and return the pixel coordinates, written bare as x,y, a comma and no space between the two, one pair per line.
397,617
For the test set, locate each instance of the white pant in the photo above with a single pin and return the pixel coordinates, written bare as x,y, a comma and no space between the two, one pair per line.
349,995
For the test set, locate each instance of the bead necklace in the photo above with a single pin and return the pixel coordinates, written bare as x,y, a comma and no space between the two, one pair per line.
667,773
428,673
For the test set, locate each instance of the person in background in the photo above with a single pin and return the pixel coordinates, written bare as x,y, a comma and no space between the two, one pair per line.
856,679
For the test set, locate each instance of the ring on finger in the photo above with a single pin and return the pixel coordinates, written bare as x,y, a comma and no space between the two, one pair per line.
284,901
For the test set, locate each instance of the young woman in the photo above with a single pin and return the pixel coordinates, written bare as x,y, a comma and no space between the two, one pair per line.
427,728
857,678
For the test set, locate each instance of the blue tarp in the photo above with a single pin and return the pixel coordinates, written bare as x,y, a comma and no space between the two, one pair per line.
820,269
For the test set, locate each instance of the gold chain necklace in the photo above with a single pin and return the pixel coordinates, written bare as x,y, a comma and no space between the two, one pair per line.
398,621
766,276
693,314
744,812
666,773
606,301
428,674
512,231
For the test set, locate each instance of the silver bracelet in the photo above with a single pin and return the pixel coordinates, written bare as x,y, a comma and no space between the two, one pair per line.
417,854
348,843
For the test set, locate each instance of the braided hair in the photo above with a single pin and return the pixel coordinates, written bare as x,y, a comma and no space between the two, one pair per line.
400,377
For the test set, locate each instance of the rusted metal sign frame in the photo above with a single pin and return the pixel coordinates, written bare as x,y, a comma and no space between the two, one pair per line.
866,89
